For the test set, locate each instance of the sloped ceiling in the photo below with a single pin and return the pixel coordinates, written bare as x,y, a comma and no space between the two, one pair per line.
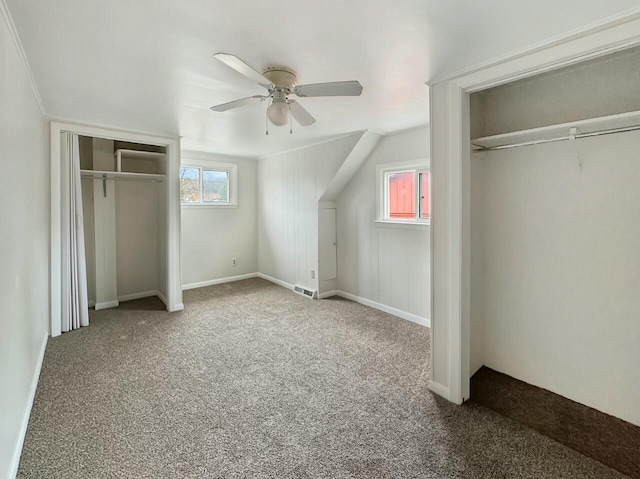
147,65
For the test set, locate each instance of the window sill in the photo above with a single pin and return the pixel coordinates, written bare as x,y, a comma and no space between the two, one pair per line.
407,225
198,206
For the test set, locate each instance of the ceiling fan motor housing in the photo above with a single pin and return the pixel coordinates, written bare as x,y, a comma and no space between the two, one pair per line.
284,79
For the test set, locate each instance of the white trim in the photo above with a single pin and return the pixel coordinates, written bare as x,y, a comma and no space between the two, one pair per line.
327,204
110,132
140,295
279,282
211,282
33,387
232,182
210,164
439,389
172,182
451,151
404,225
382,169
106,305
328,294
13,33
204,155
163,298
404,165
55,251
414,318
204,206
586,30
620,35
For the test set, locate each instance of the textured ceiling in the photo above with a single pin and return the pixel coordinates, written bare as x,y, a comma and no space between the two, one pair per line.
148,65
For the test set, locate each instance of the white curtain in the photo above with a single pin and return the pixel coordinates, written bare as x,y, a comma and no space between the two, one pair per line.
75,307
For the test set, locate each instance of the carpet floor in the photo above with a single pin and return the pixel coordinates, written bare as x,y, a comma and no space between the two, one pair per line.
251,380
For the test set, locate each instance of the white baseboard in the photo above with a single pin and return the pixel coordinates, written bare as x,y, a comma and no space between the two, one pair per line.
211,282
439,389
275,280
163,298
328,294
107,304
414,318
15,462
179,307
142,294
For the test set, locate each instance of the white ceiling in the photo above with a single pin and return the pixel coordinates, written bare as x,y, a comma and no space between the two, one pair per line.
147,65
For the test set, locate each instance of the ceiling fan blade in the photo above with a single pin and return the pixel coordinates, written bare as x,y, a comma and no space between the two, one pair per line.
238,103
301,115
238,65
338,88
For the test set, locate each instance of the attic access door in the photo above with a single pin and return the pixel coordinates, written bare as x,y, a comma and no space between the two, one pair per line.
328,251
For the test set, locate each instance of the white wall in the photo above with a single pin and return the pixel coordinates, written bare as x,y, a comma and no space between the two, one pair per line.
24,245
289,189
604,86
382,263
561,268
212,236
138,236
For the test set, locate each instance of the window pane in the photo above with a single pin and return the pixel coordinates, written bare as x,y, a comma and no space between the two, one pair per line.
401,195
190,185
425,195
215,186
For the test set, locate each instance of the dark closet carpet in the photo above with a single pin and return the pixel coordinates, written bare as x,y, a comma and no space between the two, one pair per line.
252,380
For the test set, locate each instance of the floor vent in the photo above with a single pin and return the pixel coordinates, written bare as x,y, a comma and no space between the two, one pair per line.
304,292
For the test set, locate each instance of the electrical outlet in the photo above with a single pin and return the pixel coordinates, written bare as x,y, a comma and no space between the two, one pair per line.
234,261
313,274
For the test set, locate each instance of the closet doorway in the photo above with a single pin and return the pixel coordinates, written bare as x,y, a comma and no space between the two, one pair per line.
123,205
131,215
553,231
451,158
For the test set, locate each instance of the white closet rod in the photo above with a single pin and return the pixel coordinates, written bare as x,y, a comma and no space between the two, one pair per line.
562,138
111,178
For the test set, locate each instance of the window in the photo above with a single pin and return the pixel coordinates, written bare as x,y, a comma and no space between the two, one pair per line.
208,184
404,193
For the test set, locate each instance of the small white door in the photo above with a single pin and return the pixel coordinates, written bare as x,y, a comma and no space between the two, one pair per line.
327,249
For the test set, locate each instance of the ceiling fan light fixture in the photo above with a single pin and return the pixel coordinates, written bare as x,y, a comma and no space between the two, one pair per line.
279,113
281,82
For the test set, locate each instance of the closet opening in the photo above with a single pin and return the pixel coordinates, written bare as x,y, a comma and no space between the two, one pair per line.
115,223
123,200
554,256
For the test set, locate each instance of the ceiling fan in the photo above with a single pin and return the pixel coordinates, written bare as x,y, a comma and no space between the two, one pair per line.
281,83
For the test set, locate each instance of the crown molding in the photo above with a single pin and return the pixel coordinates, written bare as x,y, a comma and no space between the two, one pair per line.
13,32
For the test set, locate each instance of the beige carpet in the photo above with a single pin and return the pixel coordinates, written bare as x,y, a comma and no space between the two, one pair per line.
254,381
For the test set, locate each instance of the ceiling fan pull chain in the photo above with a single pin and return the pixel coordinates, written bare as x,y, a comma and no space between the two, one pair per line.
266,121
290,121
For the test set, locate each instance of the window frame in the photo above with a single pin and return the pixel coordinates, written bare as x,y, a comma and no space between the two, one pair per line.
232,178
383,171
